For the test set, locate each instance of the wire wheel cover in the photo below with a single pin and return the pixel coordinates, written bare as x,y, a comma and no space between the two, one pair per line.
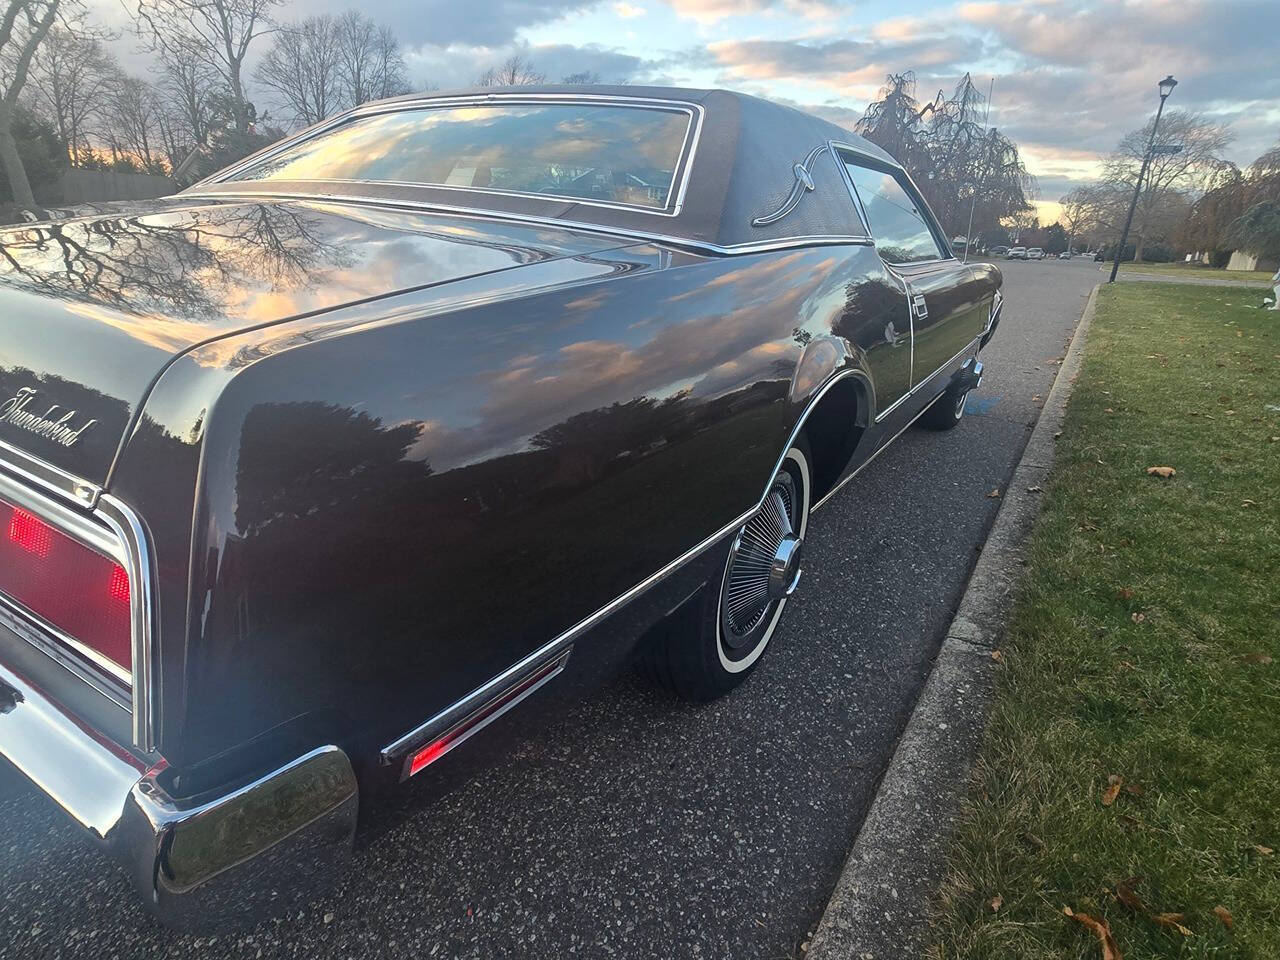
746,601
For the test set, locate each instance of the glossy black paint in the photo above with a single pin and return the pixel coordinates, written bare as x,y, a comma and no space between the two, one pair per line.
91,309
441,462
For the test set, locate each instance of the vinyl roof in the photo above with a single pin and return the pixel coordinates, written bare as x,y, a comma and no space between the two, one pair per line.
741,167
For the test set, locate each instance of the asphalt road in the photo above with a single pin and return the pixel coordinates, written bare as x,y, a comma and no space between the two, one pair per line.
630,825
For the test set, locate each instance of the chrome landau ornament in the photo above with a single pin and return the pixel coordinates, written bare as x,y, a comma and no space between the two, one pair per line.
54,424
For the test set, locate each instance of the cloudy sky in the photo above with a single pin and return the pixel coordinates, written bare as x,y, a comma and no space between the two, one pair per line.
1071,76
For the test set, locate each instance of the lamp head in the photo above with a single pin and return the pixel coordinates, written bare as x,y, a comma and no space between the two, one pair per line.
1167,85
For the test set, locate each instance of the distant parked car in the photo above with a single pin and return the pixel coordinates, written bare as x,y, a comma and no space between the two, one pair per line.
1035,253
1017,253
1000,251
1065,255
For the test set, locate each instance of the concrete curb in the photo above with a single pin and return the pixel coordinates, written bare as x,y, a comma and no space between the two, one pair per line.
880,906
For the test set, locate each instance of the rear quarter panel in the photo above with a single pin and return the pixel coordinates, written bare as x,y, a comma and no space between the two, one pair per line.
392,506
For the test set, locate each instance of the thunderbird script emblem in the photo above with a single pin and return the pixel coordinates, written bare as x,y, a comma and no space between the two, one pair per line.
56,423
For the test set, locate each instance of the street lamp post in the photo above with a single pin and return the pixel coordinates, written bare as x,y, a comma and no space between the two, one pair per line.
1166,87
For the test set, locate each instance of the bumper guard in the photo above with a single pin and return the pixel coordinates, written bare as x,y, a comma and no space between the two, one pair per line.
197,862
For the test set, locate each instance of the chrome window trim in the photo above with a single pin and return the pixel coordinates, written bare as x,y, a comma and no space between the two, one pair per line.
935,228
114,530
636,236
679,176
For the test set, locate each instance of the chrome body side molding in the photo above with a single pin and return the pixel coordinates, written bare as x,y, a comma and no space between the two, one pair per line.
925,382
510,678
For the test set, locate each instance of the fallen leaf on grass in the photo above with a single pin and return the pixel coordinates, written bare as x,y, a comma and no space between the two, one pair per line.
997,656
996,902
1138,617
1174,921
1165,472
1248,503
1112,789
1262,659
1223,914
1125,593
1125,894
1265,851
1133,789
994,494
1036,488
1101,929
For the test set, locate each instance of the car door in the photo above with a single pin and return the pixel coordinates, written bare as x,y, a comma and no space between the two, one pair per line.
946,300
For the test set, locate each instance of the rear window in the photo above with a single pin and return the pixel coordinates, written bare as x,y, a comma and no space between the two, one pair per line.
604,153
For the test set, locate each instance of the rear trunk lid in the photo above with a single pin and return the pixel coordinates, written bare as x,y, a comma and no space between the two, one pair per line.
92,309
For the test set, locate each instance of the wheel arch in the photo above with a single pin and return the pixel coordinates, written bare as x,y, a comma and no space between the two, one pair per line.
834,420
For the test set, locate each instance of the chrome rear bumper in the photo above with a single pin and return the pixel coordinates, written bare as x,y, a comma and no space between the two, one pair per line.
197,862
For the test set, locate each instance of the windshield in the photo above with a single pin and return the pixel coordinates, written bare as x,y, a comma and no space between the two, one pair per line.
604,153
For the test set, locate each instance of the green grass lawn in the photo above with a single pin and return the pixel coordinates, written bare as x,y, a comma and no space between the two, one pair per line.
1199,270
1144,646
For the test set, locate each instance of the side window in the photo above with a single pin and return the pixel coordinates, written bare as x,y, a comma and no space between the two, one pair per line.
901,232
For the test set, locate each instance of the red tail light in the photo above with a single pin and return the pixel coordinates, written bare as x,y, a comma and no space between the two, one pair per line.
81,592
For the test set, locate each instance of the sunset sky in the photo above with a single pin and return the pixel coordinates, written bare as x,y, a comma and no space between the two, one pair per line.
1070,77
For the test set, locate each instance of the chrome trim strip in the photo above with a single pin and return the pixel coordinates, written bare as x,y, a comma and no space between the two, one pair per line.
46,476
636,236
925,382
128,527
447,721
676,194
549,650
85,662
112,529
803,184
997,304
84,776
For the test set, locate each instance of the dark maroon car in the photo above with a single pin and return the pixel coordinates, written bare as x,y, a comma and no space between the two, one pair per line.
312,471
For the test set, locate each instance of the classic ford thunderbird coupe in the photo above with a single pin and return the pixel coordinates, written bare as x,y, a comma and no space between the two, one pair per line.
310,472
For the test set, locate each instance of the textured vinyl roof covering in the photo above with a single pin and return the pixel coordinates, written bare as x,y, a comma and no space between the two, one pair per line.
742,168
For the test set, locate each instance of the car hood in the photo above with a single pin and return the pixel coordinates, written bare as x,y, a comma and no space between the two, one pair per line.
92,309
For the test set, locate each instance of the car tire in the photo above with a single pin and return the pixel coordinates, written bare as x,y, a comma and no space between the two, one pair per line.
718,639
947,411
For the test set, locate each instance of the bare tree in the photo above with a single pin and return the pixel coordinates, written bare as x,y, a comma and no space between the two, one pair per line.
1188,152
582,76
958,164
24,24
188,87
135,122
302,69
70,78
515,71
370,65
218,33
